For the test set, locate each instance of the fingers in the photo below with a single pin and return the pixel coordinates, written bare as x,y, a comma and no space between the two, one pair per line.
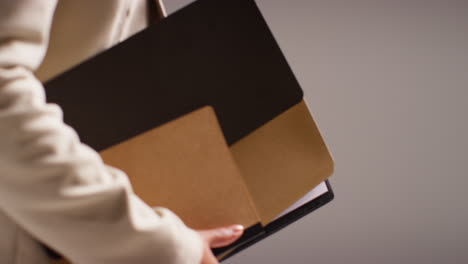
218,237
208,257
221,237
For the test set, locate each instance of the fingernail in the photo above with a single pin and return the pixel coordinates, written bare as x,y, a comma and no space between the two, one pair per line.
237,229
231,231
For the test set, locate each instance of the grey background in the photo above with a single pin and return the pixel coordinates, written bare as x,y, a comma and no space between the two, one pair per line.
387,82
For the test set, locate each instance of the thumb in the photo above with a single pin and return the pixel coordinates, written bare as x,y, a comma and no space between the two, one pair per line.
223,236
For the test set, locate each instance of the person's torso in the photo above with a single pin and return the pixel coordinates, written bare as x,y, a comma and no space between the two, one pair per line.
81,29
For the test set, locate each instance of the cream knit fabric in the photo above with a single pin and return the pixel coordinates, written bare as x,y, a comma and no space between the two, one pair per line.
52,187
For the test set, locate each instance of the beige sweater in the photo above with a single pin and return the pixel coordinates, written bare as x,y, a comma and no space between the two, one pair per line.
52,187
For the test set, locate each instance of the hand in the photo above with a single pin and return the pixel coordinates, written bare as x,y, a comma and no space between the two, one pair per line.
218,237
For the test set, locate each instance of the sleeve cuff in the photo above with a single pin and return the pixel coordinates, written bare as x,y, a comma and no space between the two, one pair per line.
187,245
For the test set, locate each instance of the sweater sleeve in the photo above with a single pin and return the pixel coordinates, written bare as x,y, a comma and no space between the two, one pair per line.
57,188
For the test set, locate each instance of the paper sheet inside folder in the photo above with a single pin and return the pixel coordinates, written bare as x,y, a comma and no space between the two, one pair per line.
186,165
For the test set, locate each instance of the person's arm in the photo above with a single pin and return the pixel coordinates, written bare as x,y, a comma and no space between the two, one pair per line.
55,187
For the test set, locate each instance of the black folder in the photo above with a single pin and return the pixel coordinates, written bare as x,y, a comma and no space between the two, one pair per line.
212,52
218,53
